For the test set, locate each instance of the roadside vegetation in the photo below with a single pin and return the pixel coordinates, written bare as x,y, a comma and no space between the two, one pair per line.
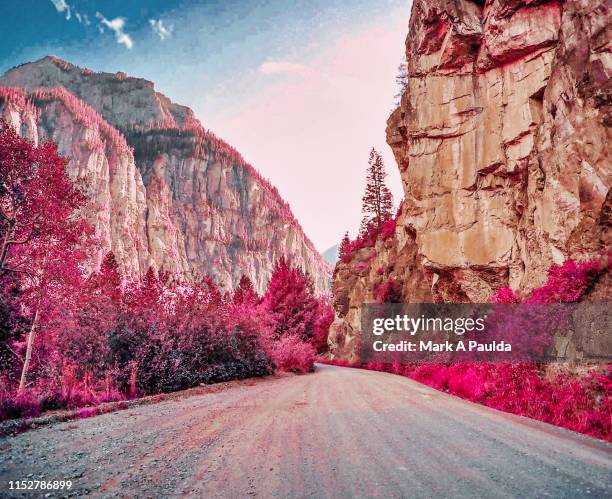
73,337
579,399
575,397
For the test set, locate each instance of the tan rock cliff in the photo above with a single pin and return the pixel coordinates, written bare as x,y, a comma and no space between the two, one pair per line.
503,139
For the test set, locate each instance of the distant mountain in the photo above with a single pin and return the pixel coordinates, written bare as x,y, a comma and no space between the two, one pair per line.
331,254
165,191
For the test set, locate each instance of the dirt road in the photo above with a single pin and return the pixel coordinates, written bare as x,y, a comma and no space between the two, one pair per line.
335,433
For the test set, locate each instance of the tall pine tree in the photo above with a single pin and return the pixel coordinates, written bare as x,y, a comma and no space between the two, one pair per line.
345,248
377,202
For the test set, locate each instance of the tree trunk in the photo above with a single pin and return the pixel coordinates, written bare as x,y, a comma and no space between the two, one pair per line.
5,245
28,356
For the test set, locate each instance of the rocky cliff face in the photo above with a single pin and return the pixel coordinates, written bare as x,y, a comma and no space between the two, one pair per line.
165,192
502,138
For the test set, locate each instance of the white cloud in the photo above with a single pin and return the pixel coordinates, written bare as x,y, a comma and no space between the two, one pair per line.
61,6
82,18
280,67
160,29
117,26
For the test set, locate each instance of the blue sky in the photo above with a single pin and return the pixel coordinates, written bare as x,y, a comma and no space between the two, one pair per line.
301,88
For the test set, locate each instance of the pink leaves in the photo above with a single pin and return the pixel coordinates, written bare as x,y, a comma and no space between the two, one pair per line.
388,291
388,229
43,236
368,237
292,354
506,295
566,283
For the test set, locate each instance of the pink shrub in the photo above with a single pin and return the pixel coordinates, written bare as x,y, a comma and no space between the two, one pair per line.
582,403
566,283
24,405
506,295
321,326
293,355
388,229
388,291
367,238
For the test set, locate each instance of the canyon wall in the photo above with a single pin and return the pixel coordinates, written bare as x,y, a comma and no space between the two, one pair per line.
165,192
502,138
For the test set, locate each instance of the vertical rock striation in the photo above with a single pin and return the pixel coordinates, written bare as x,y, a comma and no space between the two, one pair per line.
165,192
502,140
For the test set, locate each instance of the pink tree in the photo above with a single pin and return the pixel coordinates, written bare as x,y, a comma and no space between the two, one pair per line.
99,304
245,293
377,202
291,302
344,252
41,231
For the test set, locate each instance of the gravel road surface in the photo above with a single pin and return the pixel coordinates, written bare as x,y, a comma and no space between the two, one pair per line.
336,433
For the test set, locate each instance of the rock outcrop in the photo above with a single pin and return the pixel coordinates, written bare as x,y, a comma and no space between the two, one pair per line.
502,139
165,192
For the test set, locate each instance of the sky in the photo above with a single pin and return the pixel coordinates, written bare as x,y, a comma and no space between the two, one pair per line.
302,89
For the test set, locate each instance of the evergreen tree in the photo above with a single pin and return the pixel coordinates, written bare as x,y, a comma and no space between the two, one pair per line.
401,80
245,293
345,248
377,202
291,301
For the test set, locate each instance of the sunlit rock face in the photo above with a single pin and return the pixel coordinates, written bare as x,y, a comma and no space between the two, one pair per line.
165,192
502,139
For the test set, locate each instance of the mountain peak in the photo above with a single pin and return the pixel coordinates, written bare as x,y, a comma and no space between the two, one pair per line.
124,101
196,206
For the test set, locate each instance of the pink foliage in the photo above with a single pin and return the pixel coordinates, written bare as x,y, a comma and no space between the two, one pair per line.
566,283
127,338
292,354
388,229
291,303
506,295
368,238
579,403
388,291
582,403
